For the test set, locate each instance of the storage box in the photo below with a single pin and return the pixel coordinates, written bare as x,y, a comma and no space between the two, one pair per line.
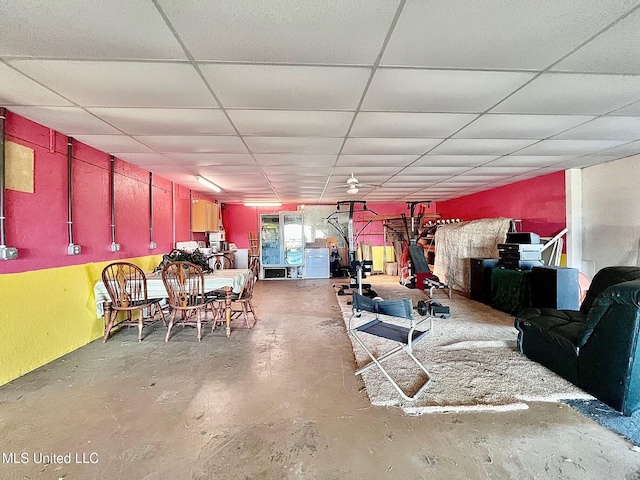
391,268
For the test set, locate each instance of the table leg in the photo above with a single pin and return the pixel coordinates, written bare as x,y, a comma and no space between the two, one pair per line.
227,311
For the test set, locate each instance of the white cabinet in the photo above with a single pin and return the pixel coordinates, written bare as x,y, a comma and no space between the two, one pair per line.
281,245
316,263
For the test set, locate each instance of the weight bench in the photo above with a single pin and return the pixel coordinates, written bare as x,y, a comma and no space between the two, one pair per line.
432,284
405,336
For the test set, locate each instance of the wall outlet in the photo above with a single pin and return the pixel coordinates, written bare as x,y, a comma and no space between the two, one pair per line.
153,246
73,249
8,253
115,247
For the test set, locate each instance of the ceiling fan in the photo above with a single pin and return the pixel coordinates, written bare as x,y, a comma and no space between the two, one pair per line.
353,185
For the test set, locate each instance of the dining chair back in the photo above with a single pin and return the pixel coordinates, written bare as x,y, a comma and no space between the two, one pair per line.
184,282
126,285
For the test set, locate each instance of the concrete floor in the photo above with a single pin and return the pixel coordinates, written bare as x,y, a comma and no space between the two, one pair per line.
279,402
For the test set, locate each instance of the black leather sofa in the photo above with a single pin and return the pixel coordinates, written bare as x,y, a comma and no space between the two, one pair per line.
596,348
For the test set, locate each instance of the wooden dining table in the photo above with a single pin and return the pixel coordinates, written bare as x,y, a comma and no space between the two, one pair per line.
231,280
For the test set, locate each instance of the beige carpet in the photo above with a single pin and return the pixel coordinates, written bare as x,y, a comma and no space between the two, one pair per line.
472,358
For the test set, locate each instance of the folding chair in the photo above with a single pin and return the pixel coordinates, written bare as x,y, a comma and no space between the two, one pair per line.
407,337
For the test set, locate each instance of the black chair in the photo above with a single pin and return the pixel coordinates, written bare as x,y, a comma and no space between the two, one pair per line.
401,311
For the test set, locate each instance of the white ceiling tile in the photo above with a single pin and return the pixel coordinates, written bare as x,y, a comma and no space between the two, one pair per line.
67,120
311,145
121,84
295,160
293,123
193,143
166,121
568,147
114,144
488,34
433,170
453,160
287,86
373,160
390,146
588,161
403,124
17,89
411,90
101,30
632,109
573,94
520,126
613,51
367,172
297,170
479,146
213,159
287,31
498,171
631,148
605,128
528,161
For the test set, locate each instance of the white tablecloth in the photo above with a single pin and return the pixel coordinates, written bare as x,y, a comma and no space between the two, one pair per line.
233,278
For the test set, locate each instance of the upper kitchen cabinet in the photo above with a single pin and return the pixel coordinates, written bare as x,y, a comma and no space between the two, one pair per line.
204,216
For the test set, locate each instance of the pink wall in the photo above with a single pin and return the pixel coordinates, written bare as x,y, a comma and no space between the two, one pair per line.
538,202
36,222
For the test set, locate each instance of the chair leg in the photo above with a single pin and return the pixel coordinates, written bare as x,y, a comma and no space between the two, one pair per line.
199,323
245,312
159,308
109,324
140,325
171,321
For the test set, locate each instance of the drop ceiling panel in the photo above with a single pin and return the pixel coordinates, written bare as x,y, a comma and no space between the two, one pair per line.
312,31
633,109
298,171
294,160
605,128
193,143
114,144
453,160
403,124
568,147
287,86
613,51
101,30
301,145
498,171
419,171
588,161
17,89
479,146
231,170
67,120
213,159
121,84
528,161
412,90
388,146
352,161
166,121
573,94
294,123
631,148
472,34
521,126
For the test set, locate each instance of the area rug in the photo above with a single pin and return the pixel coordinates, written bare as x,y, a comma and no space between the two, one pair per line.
471,356
628,427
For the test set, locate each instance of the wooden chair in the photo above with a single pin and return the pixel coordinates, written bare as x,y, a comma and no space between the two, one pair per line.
184,282
126,284
243,298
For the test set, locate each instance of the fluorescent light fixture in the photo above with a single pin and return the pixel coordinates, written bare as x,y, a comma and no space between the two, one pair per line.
209,184
263,204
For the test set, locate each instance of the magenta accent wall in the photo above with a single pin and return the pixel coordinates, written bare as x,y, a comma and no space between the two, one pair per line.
238,220
538,202
36,222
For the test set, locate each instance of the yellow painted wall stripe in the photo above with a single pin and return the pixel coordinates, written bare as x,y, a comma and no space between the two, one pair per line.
45,314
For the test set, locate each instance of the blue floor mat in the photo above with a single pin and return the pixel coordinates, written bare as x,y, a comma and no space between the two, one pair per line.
628,427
